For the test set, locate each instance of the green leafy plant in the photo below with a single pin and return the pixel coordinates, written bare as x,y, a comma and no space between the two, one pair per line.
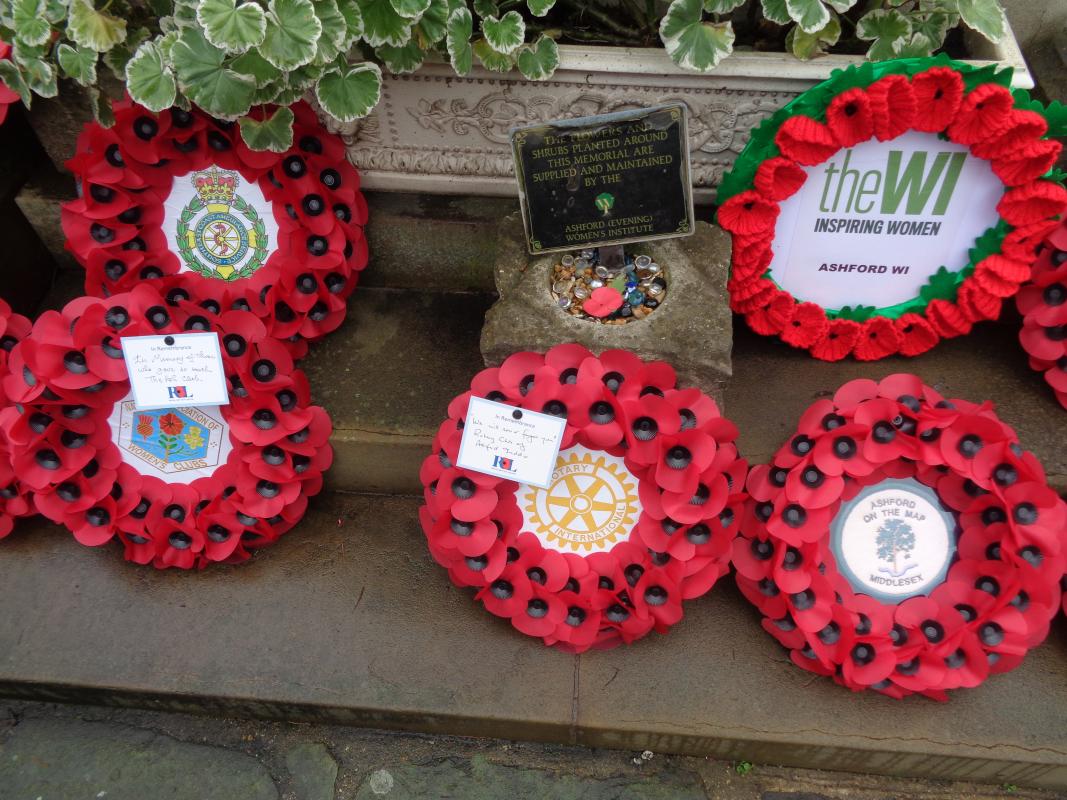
231,57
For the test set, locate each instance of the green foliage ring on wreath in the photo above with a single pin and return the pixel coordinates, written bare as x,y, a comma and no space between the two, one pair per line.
184,240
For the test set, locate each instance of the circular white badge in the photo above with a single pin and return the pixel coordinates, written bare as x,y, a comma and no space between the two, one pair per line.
894,540
176,445
590,504
871,225
220,225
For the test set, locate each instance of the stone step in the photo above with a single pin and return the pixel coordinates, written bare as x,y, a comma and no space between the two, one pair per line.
347,620
388,373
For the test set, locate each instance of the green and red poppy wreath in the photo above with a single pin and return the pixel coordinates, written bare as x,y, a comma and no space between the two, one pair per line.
933,115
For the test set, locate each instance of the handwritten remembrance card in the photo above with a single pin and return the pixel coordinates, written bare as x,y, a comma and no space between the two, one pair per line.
510,442
175,371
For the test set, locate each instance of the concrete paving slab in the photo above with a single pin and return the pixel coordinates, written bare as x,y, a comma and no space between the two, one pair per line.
719,686
346,619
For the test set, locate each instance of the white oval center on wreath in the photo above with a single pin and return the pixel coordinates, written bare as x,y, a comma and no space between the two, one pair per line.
870,226
220,225
894,540
176,445
590,505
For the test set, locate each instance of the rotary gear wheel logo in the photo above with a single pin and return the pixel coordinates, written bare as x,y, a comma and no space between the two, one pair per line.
590,505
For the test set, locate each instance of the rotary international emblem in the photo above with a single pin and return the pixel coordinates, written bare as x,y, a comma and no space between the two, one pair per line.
219,233
590,504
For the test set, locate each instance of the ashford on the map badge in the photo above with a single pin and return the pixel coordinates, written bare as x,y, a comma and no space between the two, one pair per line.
604,180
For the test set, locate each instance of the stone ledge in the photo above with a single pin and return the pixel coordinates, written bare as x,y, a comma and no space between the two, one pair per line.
386,409
347,620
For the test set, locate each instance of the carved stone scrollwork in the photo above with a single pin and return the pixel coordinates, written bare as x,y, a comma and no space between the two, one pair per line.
441,127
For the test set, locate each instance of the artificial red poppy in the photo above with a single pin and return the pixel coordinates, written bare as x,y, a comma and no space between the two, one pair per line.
1043,304
7,95
826,551
849,117
806,141
639,515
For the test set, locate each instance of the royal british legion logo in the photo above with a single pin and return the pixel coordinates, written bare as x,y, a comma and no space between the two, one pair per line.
175,392
506,464
219,233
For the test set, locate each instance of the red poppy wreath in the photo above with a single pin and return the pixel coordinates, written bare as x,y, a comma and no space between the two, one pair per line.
179,487
639,514
15,500
891,206
902,542
1043,304
179,197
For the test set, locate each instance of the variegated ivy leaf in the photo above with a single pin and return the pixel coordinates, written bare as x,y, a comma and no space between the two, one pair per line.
55,11
204,78
933,27
810,15
401,60
166,43
305,76
541,7
493,60
349,91
410,9
232,27
506,34
841,6
888,29
721,6
918,46
808,45
149,79
30,23
41,78
458,40
275,133
353,21
382,25
103,112
77,63
485,8
293,31
118,56
986,17
691,42
433,25
11,76
334,31
538,61
257,67
775,11
94,29
23,53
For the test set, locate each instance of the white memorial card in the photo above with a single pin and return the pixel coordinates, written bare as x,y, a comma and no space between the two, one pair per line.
510,442
177,370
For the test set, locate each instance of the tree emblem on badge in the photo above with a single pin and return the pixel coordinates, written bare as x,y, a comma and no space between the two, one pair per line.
219,233
605,201
895,538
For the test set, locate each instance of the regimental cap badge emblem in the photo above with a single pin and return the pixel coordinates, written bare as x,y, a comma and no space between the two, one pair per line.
219,233
590,505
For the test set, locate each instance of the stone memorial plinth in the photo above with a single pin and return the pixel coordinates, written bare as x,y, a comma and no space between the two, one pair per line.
691,329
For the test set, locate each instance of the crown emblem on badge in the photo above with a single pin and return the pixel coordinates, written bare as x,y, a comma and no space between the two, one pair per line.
216,188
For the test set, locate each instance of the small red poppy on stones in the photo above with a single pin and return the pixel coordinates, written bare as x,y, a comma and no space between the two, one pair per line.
7,95
793,216
639,514
1043,304
15,500
177,197
902,542
178,487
